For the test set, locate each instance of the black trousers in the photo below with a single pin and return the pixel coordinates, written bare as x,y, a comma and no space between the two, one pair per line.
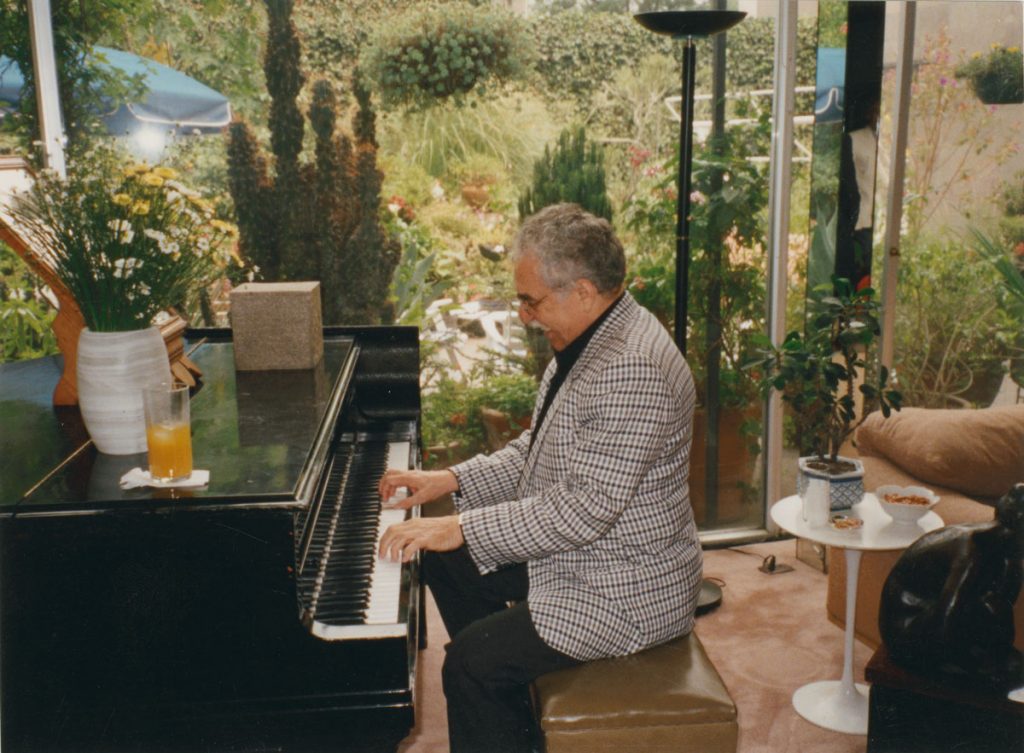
494,654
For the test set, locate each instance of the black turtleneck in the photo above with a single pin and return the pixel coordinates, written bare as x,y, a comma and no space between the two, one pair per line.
565,359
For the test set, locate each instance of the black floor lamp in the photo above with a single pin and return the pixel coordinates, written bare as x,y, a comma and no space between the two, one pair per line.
688,25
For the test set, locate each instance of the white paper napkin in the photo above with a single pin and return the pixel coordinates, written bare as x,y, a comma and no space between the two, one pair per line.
138,477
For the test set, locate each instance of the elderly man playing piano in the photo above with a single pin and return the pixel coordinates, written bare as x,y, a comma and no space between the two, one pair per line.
583,524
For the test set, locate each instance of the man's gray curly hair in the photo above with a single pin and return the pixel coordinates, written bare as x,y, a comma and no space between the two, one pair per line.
572,244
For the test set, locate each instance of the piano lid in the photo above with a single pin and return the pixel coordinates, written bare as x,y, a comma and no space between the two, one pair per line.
258,433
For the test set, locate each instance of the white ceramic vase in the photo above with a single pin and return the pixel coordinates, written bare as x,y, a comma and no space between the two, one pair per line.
112,370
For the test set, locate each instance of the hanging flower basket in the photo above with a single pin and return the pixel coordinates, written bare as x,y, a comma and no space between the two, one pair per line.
996,78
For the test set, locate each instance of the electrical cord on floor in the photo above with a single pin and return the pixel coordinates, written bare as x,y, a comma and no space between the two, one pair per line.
768,563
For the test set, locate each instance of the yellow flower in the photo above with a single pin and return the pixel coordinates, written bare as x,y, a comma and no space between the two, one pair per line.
1013,50
224,227
976,56
166,172
200,203
140,207
122,199
152,179
136,169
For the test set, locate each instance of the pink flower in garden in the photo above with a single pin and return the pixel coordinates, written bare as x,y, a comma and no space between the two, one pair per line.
638,155
697,197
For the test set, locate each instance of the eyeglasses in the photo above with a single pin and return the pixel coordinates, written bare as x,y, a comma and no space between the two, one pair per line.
530,306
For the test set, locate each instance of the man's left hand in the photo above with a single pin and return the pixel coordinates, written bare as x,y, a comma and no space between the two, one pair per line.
402,540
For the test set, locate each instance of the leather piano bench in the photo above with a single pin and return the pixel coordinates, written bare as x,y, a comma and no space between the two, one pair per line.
667,698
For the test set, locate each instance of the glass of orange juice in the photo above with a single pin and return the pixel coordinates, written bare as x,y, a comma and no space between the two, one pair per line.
168,432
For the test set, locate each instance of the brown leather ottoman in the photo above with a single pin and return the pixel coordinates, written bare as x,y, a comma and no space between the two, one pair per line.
668,698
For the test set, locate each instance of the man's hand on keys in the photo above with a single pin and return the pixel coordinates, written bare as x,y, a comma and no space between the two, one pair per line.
402,540
423,486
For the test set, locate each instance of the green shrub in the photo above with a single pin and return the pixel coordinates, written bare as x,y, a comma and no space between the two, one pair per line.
25,319
451,411
511,129
580,52
571,172
1011,225
442,51
952,334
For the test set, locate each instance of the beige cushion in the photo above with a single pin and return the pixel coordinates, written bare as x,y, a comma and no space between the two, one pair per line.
977,452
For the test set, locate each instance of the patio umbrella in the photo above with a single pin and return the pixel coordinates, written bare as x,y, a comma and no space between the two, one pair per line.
173,102
828,88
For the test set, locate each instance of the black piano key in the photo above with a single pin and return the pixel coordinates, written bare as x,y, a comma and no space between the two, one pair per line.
342,550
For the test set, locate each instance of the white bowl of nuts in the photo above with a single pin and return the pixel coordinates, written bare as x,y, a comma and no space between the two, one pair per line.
905,504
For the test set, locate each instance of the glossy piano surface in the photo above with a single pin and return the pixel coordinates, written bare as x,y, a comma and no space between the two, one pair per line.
252,430
149,621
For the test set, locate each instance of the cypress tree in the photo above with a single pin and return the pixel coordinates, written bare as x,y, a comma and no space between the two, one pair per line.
572,172
318,220
252,190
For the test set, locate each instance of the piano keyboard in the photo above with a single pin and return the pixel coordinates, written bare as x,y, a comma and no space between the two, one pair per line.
346,590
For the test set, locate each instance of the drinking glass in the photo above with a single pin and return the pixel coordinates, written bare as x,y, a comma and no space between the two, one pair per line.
168,432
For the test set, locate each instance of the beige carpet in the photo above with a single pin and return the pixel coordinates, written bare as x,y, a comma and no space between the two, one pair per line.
769,636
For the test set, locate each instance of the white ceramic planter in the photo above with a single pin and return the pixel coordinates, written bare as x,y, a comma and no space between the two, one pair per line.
845,489
113,368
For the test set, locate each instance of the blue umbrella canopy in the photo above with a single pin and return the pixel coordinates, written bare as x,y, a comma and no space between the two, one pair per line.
172,102
829,85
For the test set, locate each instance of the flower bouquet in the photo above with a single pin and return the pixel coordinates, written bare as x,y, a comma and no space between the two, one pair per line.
127,242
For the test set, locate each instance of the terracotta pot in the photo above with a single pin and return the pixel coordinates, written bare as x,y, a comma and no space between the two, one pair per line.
500,429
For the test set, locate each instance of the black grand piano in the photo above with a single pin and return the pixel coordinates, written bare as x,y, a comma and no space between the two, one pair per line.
251,615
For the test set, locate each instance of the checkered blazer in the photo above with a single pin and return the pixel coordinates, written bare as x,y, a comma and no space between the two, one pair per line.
600,507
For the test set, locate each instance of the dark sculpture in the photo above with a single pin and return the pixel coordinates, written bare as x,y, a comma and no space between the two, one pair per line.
947,605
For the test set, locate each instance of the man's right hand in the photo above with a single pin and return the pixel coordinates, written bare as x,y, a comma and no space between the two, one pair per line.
424,486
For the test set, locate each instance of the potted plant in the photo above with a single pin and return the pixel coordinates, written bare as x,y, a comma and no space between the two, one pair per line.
726,305
831,380
127,242
998,77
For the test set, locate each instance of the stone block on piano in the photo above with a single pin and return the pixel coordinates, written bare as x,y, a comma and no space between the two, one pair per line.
276,325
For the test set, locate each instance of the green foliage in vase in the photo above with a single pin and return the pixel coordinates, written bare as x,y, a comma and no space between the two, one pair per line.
817,371
998,77
441,51
127,242
573,171
318,220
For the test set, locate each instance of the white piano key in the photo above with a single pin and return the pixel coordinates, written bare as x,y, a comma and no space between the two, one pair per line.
386,581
